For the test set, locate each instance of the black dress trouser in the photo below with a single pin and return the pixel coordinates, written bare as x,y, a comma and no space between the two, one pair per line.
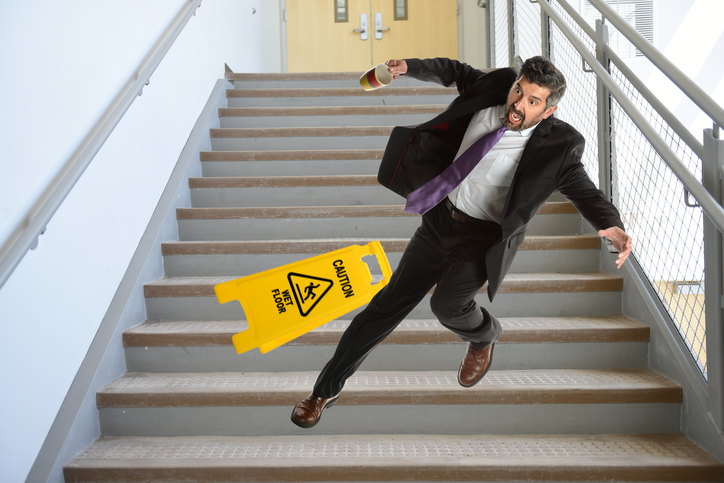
442,251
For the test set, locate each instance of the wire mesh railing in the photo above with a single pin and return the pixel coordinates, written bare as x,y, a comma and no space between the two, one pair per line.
667,228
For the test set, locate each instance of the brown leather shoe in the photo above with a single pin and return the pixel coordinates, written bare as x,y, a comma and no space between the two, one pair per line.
475,365
308,412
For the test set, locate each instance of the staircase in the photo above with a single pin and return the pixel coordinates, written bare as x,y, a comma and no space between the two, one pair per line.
292,174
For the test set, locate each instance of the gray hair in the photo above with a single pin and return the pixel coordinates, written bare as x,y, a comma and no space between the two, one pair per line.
541,71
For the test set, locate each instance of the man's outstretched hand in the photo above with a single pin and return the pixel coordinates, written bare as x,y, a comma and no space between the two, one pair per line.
621,241
396,67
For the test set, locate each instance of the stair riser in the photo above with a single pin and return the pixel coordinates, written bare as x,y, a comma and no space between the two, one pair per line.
324,121
338,101
293,196
290,168
352,227
527,261
322,83
388,357
295,143
562,304
651,418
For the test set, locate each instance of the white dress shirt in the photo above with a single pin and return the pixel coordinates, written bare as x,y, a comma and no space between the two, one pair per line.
482,194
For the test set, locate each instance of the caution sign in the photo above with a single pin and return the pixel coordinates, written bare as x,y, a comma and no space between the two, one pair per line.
283,303
308,291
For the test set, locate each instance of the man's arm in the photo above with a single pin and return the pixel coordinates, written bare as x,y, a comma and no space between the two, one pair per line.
396,67
440,70
591,202
621,241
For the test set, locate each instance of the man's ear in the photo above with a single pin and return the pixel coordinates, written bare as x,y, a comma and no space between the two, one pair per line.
549,111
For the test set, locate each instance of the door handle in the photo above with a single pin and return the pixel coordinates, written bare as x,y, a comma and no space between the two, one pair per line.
362,30
378,26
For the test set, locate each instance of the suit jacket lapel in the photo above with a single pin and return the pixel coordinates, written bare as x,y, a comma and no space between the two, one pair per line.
537,139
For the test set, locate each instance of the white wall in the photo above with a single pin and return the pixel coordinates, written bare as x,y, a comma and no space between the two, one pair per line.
61,65
474,48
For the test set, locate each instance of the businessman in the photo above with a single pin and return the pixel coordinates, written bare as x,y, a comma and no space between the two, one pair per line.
477,173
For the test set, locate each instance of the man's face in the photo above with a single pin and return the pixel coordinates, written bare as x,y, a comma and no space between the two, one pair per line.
526,105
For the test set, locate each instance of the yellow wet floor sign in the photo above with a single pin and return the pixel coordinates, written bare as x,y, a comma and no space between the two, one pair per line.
286,302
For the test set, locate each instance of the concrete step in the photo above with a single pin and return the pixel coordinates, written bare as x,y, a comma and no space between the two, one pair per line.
307,80
520,295
309,190
340,96
527,343
592,401
598,281
307,138
422,457
383,221
575,253
291,162
289,191
327,116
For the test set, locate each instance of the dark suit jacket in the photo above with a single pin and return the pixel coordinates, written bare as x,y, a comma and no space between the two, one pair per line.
551,160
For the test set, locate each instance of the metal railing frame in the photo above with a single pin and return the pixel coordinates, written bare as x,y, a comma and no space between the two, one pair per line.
707,193
46,205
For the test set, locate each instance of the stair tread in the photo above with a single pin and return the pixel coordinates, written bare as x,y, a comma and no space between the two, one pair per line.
283,181
410,331
292,155
406,457
323,245
598,281
540,386
330,110
275,132
556,207
343,92
270,76
420,457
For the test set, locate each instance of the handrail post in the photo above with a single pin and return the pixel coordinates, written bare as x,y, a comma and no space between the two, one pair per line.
605,164
545,34
511,33
490,28
713,181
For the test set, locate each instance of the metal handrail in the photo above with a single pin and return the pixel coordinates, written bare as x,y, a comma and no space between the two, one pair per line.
693,91
678,127
711,207
13,251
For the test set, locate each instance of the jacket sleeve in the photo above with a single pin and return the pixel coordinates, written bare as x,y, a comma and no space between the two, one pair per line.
575,185
444,71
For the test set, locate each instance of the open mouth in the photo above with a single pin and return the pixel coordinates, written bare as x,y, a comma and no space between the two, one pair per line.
514,117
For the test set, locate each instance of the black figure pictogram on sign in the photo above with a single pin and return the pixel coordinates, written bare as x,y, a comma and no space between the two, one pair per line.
308,290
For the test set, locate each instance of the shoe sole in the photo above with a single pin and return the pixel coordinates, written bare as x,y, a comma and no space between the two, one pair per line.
329,404
492,349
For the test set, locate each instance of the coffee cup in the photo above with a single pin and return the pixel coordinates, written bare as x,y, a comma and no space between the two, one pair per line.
375,78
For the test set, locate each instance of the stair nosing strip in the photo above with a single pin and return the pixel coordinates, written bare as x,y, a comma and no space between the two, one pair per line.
342,92
256,247
295,132
549,386
342,211
219,333
330,110
597,281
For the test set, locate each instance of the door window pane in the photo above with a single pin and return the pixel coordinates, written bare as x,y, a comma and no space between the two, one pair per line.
341,11
400,9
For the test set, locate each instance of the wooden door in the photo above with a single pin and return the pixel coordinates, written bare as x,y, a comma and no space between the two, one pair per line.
328,36
430,29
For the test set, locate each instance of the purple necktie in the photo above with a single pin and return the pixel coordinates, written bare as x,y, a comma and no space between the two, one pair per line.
434,191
